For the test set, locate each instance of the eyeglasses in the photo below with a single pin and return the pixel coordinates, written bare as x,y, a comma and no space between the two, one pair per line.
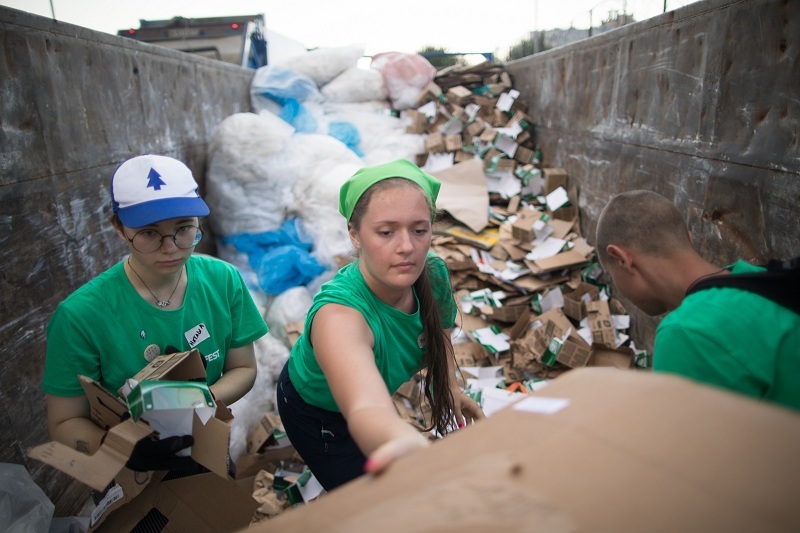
148,241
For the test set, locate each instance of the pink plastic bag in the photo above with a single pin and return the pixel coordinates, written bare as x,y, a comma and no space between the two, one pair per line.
405,76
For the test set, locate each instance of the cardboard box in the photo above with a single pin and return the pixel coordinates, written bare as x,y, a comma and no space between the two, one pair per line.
560,261
622,358
569,211
205,502
628,452
434,142
475,127
263,434
211,440
574,300
553,179
431,93
418,122
522,227
523,155
459,95
469,354
599,317
452,143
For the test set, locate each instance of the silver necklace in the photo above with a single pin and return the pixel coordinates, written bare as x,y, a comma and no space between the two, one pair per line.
160,303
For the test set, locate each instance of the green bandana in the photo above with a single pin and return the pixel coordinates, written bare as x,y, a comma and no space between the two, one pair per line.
358,183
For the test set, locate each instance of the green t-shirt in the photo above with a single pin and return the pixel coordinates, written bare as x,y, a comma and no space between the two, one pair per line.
103,328
398,351
734,339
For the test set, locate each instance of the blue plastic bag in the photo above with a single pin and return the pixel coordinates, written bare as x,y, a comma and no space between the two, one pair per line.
298,116
348,134
282,84
281,259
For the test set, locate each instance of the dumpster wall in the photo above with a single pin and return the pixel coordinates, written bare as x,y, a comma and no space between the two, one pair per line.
75,104
700,105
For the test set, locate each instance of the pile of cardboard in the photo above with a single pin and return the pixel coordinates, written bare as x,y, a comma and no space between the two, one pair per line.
532,300
169,395
475,112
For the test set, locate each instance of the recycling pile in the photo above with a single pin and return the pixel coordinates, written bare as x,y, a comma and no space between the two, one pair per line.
533,303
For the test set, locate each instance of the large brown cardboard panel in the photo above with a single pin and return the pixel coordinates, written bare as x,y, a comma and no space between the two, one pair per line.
205,502
632,451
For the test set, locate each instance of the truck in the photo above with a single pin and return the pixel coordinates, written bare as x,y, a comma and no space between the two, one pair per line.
240,40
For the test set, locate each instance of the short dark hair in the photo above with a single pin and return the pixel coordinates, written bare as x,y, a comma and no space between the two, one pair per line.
644,221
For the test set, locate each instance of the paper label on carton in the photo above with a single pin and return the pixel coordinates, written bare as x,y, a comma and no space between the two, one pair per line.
114,494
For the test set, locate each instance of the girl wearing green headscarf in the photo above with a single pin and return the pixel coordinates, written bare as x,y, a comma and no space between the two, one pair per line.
378,322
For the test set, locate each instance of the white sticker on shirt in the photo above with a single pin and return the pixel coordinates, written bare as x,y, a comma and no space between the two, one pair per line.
197,334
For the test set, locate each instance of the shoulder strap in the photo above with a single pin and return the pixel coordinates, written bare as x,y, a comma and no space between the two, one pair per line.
780,283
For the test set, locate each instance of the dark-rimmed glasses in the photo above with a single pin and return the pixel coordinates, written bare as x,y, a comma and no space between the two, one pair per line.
148,241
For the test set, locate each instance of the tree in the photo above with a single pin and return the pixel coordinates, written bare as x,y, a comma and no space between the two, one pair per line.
528,47
437,59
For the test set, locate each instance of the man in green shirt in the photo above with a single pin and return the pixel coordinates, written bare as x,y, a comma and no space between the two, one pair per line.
722,336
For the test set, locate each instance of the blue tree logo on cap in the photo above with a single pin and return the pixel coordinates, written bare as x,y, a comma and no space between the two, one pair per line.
154,180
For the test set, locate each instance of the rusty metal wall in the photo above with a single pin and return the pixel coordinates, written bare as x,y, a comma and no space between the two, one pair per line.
74,104
701,105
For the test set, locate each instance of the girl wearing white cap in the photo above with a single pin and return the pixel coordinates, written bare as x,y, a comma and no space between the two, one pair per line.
379,321
161,298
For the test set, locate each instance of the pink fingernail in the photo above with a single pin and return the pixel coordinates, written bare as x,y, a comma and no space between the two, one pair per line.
369,465
461,425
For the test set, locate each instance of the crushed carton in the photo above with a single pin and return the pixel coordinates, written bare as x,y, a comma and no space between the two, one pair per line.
203,502
169,407
575,300
621,358
599,317
108,411
267,447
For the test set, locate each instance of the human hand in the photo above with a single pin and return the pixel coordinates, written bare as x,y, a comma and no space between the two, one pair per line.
150,454
393,450
466,409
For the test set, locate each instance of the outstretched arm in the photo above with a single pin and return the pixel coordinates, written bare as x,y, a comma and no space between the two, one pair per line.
343,345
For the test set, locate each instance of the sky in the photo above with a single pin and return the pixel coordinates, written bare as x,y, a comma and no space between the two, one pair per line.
378,25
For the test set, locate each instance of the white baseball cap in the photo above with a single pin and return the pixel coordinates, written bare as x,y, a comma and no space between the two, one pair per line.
151,188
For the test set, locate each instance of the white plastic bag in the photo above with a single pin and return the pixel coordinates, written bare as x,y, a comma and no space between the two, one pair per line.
356,85
324,64
243,191
24,506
